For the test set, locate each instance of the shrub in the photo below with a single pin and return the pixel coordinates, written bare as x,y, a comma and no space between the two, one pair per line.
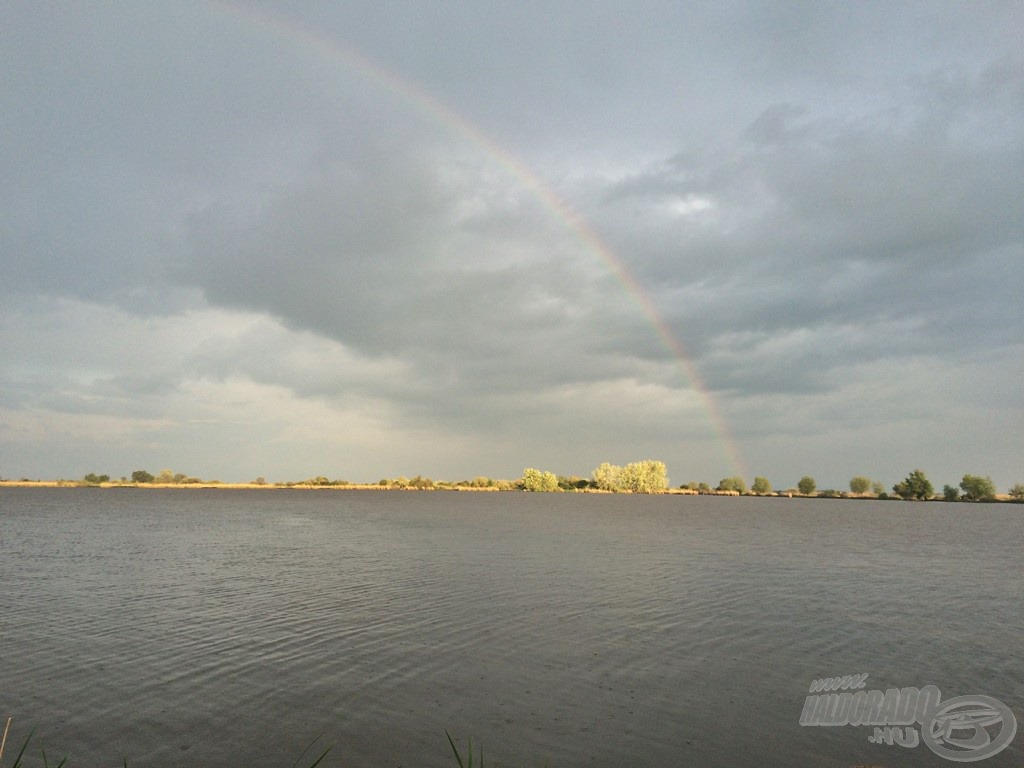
735,483
537,481
860,484
915,486
806,485
978,488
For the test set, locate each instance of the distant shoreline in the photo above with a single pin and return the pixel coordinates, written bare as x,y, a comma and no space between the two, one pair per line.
209,485
310,486
1000,498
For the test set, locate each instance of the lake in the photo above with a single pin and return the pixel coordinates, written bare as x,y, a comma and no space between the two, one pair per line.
232,627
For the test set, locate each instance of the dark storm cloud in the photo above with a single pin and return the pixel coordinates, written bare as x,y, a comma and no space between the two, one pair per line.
394,253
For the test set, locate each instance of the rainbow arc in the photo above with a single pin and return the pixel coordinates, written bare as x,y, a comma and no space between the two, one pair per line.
313,42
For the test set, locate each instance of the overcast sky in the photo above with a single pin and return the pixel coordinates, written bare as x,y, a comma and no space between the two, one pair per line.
368,239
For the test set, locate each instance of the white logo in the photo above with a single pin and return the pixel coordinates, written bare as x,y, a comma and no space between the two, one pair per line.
969,716
962,729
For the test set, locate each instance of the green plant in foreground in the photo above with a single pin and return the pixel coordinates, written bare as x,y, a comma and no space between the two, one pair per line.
469,747
458,757
319,759
18,760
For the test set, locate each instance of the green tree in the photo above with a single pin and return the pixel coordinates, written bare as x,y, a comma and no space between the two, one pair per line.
607,477
806,485
537,481
978,488
734,483
648,476
877,488
761,485
93,479
142,476
860,484
915,486
1017,492
949,493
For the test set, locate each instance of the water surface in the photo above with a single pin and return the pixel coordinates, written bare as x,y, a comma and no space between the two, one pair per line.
229,628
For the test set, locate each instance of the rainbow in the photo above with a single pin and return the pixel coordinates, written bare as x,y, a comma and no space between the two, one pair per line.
311,41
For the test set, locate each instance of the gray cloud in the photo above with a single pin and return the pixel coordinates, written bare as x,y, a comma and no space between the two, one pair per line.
863,238
221,236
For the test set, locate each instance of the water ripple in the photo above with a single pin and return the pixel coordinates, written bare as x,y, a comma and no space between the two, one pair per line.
228,628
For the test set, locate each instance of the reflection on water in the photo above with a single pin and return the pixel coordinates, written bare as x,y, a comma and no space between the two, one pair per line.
232,627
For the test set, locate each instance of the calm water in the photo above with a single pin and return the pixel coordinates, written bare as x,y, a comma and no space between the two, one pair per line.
230,628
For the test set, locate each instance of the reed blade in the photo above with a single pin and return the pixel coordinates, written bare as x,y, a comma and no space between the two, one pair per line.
458,757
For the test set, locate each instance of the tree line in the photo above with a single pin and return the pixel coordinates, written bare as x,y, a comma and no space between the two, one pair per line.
646,476
650,477
142,477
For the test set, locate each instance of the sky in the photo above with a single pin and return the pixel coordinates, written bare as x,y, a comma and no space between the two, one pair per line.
364,240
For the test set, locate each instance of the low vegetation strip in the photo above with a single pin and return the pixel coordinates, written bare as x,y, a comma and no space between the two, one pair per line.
647,477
